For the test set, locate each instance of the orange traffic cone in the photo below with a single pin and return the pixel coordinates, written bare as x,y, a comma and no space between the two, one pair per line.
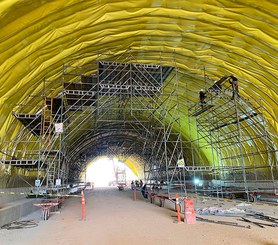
189,213
178,207
83,205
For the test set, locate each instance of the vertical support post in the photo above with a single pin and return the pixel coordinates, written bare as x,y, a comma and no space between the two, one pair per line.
266,134
239,137
41,139
83,206
213,149
134,193
61,111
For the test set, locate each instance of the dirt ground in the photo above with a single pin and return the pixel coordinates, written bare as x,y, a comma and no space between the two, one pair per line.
112,217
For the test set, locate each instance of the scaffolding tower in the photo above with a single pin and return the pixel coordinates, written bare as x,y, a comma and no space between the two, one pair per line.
37,145
122,107
119,107
134,99
235,130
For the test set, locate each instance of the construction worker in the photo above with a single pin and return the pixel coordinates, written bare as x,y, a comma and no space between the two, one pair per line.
234,82
141,183
144,191
132,185
202,97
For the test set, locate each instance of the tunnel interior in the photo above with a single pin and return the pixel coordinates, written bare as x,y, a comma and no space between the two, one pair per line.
126,109
126,84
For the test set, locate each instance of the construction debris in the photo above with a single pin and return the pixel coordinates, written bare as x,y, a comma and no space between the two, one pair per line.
261,225
23,224
220,211
261,216
223,222
242,204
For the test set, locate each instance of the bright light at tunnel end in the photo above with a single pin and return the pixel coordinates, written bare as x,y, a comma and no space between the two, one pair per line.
102,172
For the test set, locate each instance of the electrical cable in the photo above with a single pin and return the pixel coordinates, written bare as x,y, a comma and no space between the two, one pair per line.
15,225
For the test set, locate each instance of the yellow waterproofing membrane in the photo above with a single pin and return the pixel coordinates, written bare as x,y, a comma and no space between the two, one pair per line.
226,37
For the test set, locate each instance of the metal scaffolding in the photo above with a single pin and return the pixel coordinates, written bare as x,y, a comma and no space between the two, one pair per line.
38,143
236,132
121,107
128,106
115,108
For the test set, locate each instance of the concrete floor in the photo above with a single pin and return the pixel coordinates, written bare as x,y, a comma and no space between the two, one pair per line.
112,217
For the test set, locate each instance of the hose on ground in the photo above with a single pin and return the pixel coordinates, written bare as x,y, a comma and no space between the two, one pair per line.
15,225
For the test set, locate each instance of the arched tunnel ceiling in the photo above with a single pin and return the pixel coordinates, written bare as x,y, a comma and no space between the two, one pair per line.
219,37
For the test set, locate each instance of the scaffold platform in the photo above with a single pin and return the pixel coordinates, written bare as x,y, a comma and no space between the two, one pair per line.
31,122
202,110
22,163
116,78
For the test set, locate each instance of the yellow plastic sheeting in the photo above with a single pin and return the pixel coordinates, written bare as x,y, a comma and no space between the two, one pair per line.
227,37
130,164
